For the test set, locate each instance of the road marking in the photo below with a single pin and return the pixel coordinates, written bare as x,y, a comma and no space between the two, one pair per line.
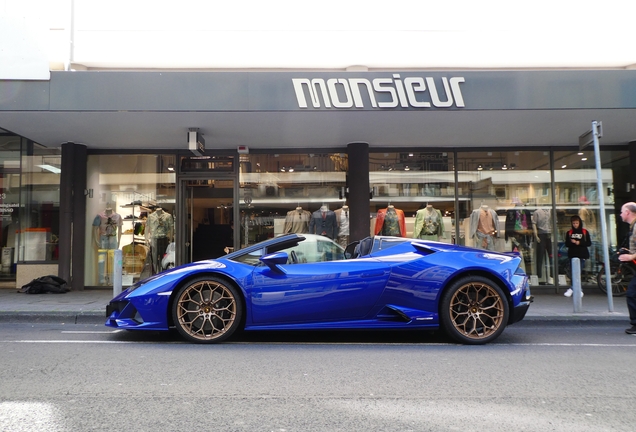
584,345
92,332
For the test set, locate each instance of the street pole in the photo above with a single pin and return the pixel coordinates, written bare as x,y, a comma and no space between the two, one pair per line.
604,233
117,272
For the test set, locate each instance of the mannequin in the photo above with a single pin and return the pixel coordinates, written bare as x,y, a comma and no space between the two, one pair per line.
342,216
297,221
323,222
159,230
542,228
107,229
390,222
429,224
106,236
484,225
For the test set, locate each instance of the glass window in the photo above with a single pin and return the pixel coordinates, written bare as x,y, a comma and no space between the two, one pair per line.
577,194
9,201
413,195
315,248
40,197
505,204
130,206
293,193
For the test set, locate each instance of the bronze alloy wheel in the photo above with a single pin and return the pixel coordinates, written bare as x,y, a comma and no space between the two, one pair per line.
207,310
475,311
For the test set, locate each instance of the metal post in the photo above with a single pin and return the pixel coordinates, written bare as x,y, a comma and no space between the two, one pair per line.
601,200
576,285
117,270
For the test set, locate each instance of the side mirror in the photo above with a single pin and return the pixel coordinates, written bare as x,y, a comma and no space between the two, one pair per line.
274,260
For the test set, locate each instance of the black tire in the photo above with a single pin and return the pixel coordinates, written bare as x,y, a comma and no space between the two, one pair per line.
621,277
474,310
207,310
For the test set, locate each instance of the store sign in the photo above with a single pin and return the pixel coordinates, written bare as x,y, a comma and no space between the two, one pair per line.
408,92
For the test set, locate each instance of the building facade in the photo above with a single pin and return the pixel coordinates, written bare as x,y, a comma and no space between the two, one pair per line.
173,167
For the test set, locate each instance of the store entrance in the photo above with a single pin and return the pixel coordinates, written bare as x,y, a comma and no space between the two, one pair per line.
206,229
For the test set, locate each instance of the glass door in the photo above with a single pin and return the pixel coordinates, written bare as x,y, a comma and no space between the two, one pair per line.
207,209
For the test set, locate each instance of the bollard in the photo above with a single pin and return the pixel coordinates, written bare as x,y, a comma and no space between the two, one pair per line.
576,285
117,270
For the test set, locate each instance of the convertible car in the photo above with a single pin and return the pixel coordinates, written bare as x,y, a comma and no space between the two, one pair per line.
308,282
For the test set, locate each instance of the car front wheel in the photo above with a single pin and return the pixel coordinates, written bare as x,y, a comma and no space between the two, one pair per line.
474,310
207,310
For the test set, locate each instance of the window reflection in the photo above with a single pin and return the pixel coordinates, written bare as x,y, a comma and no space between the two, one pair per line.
293,193
413,195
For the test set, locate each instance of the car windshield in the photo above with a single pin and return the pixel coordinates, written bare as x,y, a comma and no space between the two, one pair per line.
314,248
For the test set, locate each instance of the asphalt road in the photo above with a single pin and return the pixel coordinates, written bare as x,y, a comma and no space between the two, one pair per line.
536,377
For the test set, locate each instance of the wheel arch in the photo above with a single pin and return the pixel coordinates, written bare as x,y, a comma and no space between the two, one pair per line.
193,277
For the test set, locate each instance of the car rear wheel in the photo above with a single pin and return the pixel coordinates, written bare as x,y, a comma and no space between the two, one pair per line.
207,310
474,310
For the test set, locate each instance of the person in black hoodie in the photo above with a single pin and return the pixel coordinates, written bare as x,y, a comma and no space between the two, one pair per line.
577,240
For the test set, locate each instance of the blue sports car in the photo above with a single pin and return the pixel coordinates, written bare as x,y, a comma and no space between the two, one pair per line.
308,282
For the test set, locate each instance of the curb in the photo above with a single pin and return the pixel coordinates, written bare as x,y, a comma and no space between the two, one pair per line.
54,317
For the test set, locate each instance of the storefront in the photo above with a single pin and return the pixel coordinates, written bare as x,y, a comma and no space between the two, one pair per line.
438,162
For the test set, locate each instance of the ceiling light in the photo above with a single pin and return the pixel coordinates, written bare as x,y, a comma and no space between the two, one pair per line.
406,168
504,167
479,168
563,166
51,168
170,167
583,159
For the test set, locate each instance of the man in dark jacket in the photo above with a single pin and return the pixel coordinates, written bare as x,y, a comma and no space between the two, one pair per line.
628,214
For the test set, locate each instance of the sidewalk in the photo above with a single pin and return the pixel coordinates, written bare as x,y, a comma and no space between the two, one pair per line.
89,306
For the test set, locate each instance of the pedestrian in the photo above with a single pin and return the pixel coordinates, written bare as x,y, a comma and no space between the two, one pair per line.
577,240
628,214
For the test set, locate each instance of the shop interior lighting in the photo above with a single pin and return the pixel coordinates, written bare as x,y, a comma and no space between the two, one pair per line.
563,166
406,168
504,167
479,167
51,168
170,167
583,159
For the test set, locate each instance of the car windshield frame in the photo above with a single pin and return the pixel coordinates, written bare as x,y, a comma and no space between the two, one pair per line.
300,243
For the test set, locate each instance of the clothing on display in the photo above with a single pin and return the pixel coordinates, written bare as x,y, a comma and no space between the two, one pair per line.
342,216
159,230
484,226
323,222
297,221
542,227
429,224
107,229
518,228
133,257
390,222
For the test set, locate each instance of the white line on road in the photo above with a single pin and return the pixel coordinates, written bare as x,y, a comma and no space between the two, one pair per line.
321,343
92,332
